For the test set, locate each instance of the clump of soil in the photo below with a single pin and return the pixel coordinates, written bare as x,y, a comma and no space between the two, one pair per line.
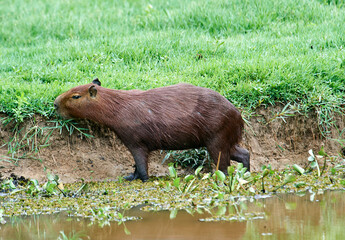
278,142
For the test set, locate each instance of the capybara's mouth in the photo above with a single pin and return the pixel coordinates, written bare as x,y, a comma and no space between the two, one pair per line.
58,111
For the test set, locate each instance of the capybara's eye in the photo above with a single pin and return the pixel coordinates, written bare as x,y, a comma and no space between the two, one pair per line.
76,96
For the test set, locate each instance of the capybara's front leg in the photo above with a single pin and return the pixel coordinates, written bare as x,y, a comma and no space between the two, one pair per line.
140,157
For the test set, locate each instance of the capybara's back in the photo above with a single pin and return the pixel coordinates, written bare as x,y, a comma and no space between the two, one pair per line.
176,117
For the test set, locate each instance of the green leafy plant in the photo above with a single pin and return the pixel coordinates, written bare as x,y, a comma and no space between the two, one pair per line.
289,178
52,186
48,189
189,158
188,180
298,169
238,177
20,112
83,188
265,171
313,160
33,187
7,185
122,220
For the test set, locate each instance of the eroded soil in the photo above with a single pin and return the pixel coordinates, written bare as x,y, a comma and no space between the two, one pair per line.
269,139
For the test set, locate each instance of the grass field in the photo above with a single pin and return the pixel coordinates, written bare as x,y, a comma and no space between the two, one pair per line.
253,52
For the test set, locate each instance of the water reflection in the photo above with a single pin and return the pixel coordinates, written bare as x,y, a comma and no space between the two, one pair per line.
301,217
285,217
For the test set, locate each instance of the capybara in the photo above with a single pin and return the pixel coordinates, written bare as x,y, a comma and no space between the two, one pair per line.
176,117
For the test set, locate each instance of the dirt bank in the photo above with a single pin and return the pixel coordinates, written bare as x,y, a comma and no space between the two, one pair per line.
270,140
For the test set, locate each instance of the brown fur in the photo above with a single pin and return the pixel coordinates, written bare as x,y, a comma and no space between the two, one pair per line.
176,117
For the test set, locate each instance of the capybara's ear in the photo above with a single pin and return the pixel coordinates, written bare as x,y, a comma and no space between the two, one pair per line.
96,81
92,91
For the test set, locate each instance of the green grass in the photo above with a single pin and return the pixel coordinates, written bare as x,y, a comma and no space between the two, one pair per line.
253,52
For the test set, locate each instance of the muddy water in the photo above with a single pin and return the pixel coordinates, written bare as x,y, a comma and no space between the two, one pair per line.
280,217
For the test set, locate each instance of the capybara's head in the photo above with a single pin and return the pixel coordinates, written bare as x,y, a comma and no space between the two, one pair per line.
78,101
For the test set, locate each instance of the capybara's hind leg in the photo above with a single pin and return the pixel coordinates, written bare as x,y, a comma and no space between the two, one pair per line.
140,158
242,155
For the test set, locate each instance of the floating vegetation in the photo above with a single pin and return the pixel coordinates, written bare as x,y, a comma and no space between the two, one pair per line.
199,192
240,218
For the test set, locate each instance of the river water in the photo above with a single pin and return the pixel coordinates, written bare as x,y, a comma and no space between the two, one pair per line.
285,216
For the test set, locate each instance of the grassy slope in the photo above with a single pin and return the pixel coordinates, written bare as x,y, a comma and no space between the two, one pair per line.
253,52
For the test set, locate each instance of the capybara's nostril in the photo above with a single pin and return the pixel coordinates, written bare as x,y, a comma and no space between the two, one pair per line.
56,106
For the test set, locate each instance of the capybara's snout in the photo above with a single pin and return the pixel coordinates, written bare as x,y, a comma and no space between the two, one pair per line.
57,103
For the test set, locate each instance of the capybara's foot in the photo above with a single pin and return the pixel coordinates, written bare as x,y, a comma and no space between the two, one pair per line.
134,176
144,179
131,177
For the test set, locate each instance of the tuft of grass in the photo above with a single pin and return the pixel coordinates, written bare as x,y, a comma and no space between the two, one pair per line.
26,142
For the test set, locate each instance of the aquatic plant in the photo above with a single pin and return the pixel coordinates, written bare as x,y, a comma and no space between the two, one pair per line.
123,219
266,170
103,202
313,162
189,180
48,189
7,185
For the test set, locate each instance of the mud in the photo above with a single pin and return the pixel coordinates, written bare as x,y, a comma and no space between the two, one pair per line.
276,141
